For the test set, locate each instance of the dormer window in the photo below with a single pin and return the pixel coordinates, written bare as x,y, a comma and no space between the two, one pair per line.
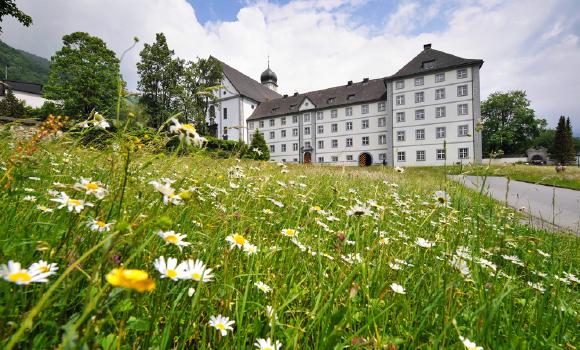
330,100
292,107
350,97
275,109
428,64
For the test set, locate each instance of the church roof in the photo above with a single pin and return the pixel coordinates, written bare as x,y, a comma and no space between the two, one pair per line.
31,88
247,86
430,60
351,93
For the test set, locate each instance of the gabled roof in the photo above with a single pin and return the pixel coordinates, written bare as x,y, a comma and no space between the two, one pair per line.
31,88
440,59
365,91
247,86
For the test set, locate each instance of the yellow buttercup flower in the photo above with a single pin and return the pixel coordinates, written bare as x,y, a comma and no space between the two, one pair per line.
131,279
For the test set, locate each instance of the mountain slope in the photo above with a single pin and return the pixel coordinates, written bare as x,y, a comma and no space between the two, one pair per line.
22,65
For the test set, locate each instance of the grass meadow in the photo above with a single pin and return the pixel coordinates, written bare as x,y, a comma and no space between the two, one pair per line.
311,257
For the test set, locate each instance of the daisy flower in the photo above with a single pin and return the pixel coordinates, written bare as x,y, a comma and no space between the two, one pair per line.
397,288
100,226
271,314
197,271
13,272
170,269
399,170
190,292
222,324
421,242
186,133
266,344
44,209
442,199
168,192
132,279
236,240
289,232
469,345
250,249
42,267
359,210
72,204
91,187
171,237
263,287
100,122
29,199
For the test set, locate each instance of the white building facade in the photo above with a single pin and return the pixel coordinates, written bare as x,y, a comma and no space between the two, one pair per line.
30,93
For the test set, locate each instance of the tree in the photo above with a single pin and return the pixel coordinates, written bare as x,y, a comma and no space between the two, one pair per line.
159,75
84,75
545,139
8,8
258,147
509,124
564,148
10,106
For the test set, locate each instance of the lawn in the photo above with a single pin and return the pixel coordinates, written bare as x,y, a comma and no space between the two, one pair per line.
313,257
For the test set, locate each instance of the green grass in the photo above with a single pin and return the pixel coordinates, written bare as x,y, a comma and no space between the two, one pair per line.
320,300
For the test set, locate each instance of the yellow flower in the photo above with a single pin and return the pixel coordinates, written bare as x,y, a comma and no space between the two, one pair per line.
132,279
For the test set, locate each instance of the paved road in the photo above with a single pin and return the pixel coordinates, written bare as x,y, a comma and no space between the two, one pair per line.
552,205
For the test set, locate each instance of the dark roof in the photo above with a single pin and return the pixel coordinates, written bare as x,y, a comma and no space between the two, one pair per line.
21,86
247,86
268,76
365,91
441,60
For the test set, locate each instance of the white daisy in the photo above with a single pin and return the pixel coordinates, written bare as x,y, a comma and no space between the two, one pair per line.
94,188
72,204
99,226
236,240
289,232
266,344
250,249
221,323
171,237
44,208
44,268
442,199
197,271
263,287
13,272
469,345
170,269
422,242
397,288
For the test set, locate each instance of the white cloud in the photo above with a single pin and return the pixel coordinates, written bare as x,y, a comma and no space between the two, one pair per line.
315,44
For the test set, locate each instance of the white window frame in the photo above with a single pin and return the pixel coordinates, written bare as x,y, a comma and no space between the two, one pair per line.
283,148
282,133
401,136
464,150
261,124
283,120
419,97
364,109
440,154
400,117
272,122
440,94
400,100
272,135
420,134
365,141
439,77
295,132
272,148
306,117
319,116
419,81
463,127
420,159
401,156
334,143
349,142
462,90
348,111
364,124
462,73
420,114
381,106
382,122
348,125
333,113
399,84
440,132
306,130
295,147
349,157
320,129
463,109
334,127
382,139
320,144
440,112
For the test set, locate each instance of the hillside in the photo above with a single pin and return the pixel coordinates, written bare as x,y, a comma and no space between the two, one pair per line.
22,65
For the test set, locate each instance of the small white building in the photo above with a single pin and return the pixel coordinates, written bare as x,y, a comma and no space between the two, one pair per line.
30,93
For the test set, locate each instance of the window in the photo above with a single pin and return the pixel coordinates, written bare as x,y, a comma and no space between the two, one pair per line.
252,106
225,133
381,106
261,123
307,130
400,100
401,156
364,109
382,122
440,77
349,157
307,144
251,125
440,112
272,122
295,159
283,148
350,97
320,144
334,127
419,114
419,97
334,158
462,90
333,113
295,147
440,154
382,156
294,119
307,117
283,121
283,133
225,113
330,100
334,143
320,159
319,116
348,111
400,136
440,94
400,117
462,73
382,139
348,125
320,129
272,134
420,134
440,132
272,148
295,132
420,156
400,84
463,130
462,109
364,124
463,153
419,81
349,142
429,64
365,140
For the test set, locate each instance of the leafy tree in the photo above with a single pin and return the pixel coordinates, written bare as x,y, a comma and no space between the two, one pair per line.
84,75
8,8
258,147
159,75
545,139
10,106
509,124
564,148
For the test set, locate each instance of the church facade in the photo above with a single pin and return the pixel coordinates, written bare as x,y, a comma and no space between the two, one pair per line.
424,114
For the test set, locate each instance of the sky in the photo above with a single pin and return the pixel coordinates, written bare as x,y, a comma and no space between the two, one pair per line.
531,45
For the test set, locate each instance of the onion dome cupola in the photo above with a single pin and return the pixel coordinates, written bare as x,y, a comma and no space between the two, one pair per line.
269,78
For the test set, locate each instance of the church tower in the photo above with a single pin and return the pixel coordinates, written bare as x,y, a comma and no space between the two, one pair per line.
269,78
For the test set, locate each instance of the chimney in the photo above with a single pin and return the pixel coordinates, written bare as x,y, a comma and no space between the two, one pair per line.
349,83
365,80
296,93
285,95
426,46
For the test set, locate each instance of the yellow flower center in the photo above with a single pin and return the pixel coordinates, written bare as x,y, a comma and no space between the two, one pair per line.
92,186
171,273
101,224
290,232
220,326
44,269
188,127
171,239
239,239
74,202
196,276
317,208
20,276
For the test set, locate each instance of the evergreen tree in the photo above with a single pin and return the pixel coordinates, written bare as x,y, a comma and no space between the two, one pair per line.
258,147
564,148
570,144
10,106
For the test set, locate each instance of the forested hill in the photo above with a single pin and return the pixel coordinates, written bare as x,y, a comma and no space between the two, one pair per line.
22,66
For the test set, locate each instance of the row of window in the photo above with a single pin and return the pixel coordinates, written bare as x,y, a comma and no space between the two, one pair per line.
440,154
365,141
365,124
439,95
440,112
440,133
439,77
381,107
